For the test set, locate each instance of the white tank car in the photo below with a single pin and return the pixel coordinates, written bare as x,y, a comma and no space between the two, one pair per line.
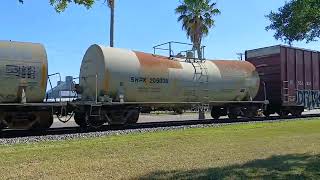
130,76
23,72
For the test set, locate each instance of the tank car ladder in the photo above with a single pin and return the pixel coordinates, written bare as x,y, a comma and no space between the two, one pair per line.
201,76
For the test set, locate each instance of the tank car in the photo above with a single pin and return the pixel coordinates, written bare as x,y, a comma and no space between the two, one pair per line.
23,81
129,80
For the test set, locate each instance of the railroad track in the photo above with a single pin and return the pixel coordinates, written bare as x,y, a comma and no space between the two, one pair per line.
7,133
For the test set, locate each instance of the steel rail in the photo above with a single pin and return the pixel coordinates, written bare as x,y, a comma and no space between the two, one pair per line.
7,133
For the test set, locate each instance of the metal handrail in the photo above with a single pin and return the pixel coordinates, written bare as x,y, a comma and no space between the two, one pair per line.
171,52
51,84
264,90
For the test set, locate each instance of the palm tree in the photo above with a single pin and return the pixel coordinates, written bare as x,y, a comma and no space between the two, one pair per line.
111,6
197,19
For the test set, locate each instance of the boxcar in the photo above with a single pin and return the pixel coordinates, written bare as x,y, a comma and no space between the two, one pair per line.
289,78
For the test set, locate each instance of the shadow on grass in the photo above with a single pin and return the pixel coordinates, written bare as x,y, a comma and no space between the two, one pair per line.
276,167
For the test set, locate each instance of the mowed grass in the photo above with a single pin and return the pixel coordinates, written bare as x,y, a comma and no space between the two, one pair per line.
289,150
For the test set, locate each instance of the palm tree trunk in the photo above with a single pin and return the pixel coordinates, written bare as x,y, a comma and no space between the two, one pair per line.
199,51
197,47
112,24
112,27
198,38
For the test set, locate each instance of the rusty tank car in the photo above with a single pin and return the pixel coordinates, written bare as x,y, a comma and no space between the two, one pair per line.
23,81
116,84
131,80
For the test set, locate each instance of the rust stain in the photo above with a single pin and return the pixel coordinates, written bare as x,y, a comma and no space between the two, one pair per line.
156,62
234,65
106,86
231,69
44,73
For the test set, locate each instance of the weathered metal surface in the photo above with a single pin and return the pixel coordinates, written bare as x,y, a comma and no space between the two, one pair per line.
140,77
291,75
161,63
23,70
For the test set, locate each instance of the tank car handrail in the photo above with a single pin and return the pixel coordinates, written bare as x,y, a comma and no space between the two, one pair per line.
174,42
171,52
264,90
51,83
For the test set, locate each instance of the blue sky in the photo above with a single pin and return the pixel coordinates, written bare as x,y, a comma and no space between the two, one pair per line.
139,25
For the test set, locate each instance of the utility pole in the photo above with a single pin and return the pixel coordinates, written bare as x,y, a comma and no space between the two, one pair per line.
111,4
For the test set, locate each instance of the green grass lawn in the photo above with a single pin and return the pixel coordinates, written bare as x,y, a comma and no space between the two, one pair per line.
264,150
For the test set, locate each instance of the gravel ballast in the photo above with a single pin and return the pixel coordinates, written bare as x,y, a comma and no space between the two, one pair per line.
86,135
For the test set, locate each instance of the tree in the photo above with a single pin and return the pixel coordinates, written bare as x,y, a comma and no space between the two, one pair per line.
297,20
61,5
197,19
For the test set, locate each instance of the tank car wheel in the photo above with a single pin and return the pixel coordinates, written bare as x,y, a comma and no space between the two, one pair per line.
283,113
232,116
44,120
296,113
36,126
215,115
234,113
266,113
48,120
133,116
80,120
2,125
178,111
146,110
95,122
250,113
117,117
217,112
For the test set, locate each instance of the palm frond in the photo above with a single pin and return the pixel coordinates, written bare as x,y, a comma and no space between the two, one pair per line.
197,18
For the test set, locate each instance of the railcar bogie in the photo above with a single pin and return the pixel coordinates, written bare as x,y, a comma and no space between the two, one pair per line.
22,119
297,111
44,120
95,115
233,111
283,111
